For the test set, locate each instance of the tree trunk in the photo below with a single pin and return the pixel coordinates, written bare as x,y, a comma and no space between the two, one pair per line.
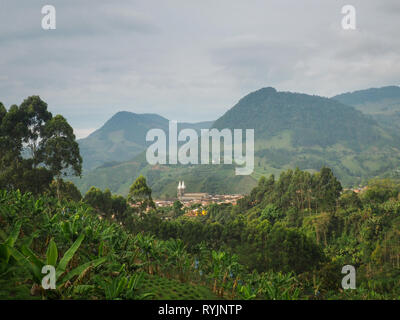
58,189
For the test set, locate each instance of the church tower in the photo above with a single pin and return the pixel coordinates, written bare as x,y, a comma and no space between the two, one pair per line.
181,189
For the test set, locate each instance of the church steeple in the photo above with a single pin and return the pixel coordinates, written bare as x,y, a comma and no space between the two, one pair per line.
181,188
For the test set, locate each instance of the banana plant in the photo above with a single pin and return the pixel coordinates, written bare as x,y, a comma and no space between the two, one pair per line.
146,246
124,287
69,228
34,264
177,256
5,247
246,292
279,286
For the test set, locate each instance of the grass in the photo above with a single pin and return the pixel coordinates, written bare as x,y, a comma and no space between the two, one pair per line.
171,289
10,289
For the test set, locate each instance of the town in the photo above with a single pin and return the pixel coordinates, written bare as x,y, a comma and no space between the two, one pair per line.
198,198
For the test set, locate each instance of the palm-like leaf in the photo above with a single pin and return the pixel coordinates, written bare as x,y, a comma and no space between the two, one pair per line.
78,270
62,266
52,253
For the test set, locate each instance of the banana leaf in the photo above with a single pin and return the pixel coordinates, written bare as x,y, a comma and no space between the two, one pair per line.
22,260
9,243
52,253
78,270
68,256
31,256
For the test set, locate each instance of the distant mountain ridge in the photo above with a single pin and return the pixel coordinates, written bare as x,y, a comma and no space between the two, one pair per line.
382,104
123,137
291,130
313,120
369,95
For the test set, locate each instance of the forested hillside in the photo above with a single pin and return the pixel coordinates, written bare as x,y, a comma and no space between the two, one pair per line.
291,130
382,104
298,130
311,120
215,179
123,137
288,239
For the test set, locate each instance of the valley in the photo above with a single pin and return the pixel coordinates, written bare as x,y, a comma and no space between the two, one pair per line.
291,130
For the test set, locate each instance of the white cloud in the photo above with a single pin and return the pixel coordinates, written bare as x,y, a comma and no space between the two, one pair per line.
83,132
189,60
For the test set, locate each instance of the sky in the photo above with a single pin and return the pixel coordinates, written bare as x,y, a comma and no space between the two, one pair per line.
189,60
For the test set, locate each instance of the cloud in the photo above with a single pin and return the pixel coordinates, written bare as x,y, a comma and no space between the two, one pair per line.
189,60
389,7
81,133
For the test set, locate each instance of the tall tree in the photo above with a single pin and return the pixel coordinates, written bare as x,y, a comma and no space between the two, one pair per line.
61,151
140,194
14,130
177,208
35,147
328,189
37,117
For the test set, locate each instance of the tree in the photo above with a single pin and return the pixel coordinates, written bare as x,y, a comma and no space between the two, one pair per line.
13,128
287,249
328,189
350,200
35,147
99,200
119,206
140,194
177,208
379,191
67,189
106,203
37,117
61,151
271,213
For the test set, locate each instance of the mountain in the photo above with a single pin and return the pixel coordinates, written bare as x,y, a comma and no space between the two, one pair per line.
299,130
361,97
163,180
123,137
311,120
291,130
382,104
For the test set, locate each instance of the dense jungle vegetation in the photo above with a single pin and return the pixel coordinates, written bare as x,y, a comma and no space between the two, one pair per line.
287,239
283,241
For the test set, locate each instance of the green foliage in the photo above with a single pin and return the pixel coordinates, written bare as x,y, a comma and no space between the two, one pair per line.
312,120
271,213
295,189
177,208
279,286
52,253
106,203
380,191
288,239
35,147
7,246
67,190
289,250
140,194
217,179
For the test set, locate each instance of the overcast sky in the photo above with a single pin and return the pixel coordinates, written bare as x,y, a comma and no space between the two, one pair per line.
189,60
